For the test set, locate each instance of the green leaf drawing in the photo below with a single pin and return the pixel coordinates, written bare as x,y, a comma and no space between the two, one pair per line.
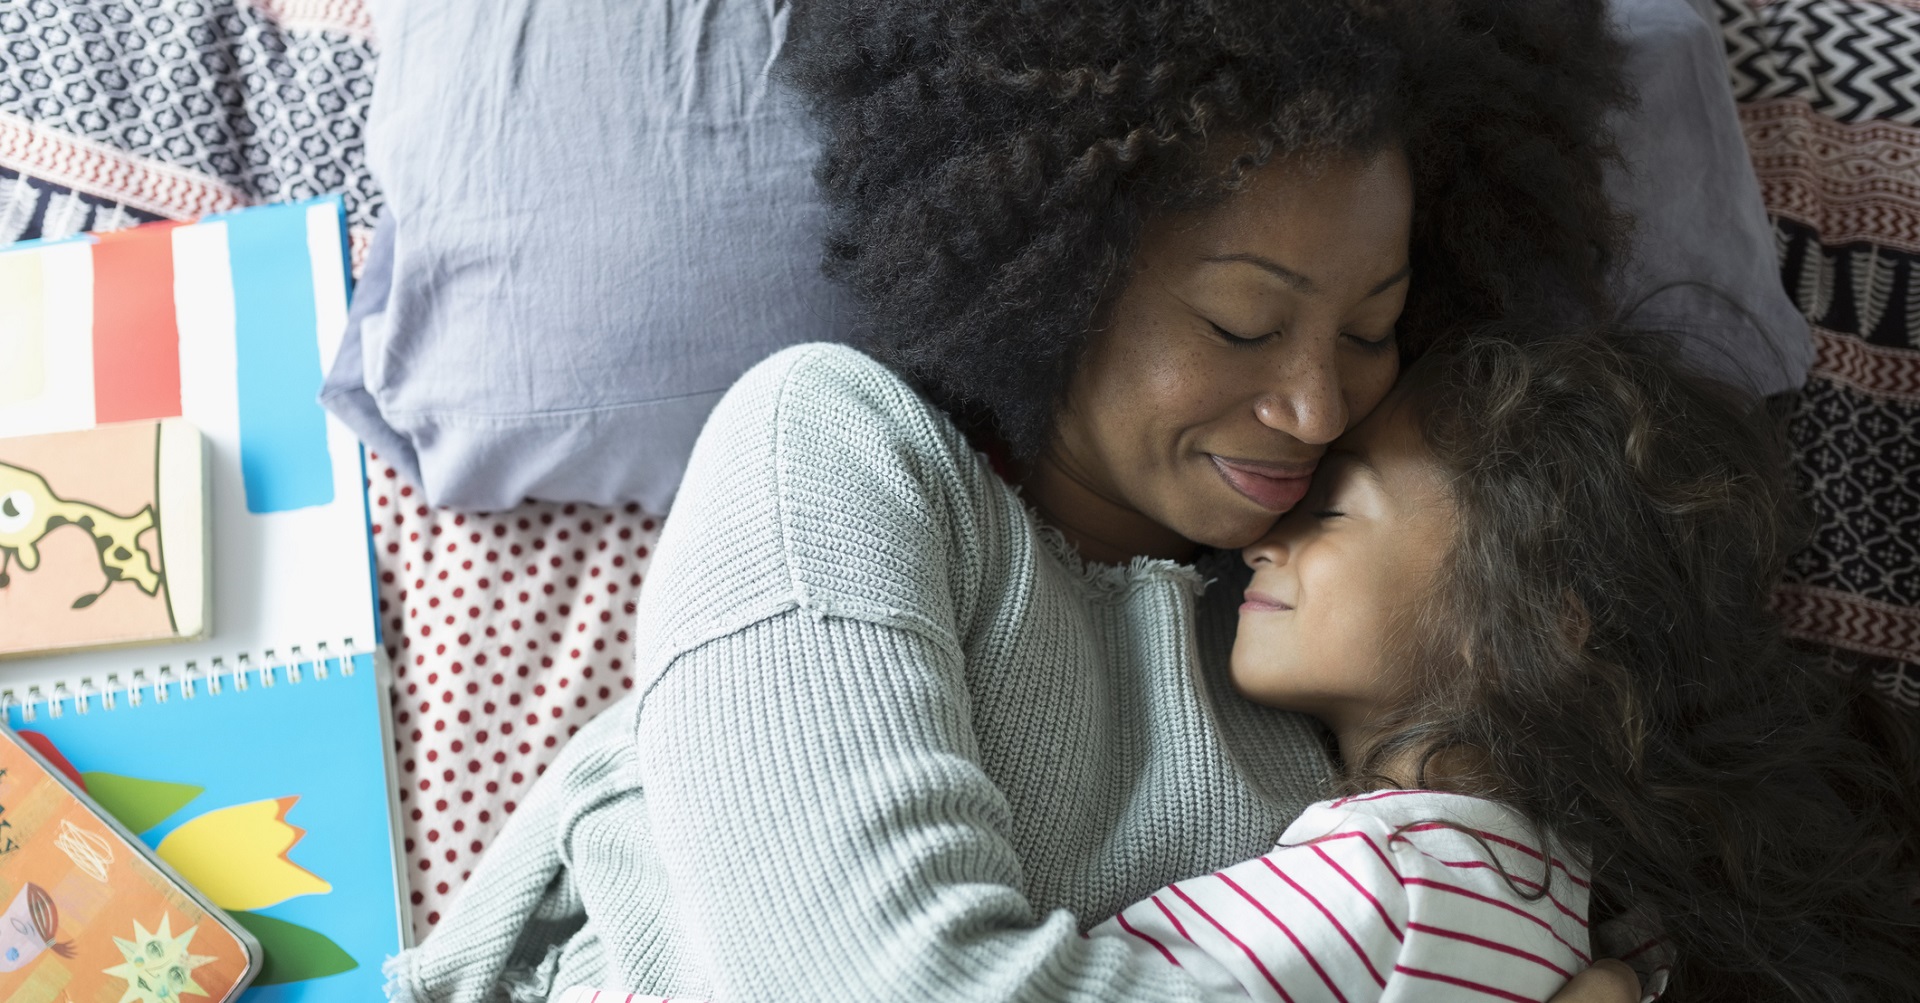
138,804
293,952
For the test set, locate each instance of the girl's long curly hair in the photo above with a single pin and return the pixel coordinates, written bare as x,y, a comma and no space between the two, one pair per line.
1602,655
988,164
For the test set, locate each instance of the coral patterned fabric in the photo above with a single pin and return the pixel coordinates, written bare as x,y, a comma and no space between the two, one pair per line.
506,632
1828,102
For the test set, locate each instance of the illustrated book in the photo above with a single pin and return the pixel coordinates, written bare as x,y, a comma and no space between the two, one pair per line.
255,759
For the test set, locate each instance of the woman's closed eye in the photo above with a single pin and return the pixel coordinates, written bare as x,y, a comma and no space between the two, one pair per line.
1380,344
1327,513
1238,339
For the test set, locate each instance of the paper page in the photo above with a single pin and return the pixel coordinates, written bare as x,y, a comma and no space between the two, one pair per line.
257,301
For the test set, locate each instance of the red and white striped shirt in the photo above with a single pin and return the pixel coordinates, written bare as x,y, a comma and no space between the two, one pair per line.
1391,895
1386,896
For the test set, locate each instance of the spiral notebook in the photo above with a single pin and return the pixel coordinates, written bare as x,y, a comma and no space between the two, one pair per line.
255,759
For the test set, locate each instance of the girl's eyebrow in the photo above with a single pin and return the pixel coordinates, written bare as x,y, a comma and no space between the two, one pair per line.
1353,458
1343,464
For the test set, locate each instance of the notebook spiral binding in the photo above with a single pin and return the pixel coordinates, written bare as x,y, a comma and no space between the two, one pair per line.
190,682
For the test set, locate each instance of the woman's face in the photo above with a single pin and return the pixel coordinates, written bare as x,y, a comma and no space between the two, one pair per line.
1248,338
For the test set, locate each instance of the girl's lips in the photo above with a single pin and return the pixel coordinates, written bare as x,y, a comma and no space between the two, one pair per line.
1267,487
1260,602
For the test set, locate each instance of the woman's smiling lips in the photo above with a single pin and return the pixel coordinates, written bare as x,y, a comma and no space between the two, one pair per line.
1271,486
1260,602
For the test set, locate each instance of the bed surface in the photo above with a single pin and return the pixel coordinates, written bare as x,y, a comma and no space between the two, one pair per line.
508,631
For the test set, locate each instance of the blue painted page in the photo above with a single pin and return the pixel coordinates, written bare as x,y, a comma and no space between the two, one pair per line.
270,797
283,431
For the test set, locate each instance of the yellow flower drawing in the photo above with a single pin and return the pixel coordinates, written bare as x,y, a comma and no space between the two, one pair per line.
237,855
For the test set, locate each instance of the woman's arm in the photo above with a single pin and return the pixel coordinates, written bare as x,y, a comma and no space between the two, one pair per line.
825,827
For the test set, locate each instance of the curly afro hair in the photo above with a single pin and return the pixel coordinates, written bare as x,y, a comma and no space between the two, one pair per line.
988,164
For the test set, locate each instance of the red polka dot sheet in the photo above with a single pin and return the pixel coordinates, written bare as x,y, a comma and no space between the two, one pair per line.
507,632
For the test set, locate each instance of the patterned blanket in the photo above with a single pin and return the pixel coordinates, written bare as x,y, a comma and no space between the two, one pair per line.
124,111
508,631
1829,97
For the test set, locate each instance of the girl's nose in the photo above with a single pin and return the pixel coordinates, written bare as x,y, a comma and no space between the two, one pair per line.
1271,550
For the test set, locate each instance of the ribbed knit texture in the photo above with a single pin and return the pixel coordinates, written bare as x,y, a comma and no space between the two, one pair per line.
890,740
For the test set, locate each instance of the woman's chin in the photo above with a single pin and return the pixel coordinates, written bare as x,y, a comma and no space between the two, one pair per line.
1232,530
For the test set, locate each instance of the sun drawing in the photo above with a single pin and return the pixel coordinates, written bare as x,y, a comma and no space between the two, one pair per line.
158,968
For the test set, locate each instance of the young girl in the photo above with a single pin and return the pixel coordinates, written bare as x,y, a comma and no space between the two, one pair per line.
1528,597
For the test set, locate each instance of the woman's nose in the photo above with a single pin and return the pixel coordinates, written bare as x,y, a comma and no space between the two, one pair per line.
1306,400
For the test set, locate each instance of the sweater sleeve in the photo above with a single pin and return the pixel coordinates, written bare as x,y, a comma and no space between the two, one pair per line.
822,821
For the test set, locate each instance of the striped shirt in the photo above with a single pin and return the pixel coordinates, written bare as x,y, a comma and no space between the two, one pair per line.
588,994
1390,895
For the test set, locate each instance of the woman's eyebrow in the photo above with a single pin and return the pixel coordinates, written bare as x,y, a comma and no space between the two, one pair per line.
1301,283
1395,279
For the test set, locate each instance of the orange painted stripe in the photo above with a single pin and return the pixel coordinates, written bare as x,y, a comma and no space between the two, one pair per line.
136,342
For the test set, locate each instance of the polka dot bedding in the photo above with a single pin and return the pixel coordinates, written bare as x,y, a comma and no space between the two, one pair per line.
507,632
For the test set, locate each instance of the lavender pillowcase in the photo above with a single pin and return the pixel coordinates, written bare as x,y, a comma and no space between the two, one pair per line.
599,214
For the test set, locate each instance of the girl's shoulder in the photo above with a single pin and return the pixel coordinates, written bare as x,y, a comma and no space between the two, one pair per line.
1411,806
1446,833
1455,868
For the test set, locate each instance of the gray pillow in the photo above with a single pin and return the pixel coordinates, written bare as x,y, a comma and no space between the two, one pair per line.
599,213
1702,263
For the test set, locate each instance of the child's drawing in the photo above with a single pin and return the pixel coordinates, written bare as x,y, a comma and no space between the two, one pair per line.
28,929
102,537
29,510
89,851
238,856
157,965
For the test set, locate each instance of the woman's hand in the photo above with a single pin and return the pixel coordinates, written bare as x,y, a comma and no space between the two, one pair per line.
1607,981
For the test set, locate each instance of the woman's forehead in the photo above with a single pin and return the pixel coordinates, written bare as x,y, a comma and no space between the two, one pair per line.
1340,227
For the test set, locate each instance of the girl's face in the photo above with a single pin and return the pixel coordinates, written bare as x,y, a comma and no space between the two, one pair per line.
1336,579
1249,337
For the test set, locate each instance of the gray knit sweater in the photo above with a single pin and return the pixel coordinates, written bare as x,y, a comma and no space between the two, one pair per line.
889,741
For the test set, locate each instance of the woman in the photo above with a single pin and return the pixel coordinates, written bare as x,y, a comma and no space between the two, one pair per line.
905,725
